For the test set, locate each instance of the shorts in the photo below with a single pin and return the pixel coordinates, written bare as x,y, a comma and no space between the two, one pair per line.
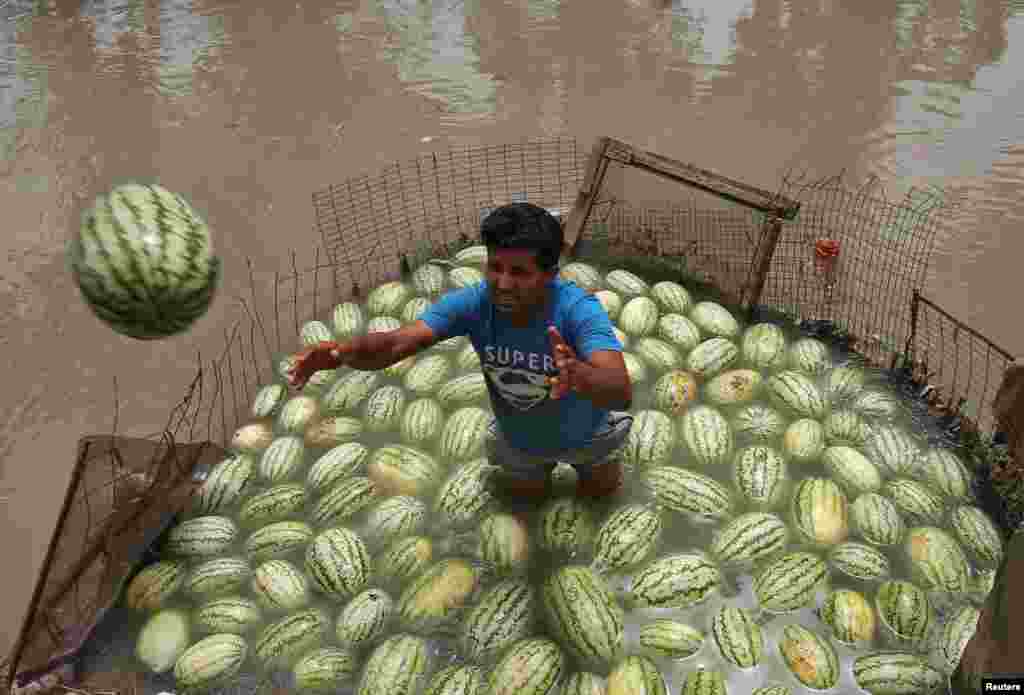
519,464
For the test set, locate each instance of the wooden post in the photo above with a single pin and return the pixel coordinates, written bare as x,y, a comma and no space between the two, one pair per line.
762,263
776,207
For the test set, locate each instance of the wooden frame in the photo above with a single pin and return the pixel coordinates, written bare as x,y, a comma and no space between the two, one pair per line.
775,207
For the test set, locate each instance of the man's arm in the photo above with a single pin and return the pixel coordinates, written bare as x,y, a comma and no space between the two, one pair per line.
605,380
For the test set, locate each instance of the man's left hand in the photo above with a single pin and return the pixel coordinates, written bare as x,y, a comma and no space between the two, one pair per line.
571,371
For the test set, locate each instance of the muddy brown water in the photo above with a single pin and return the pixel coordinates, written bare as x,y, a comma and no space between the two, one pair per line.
248,108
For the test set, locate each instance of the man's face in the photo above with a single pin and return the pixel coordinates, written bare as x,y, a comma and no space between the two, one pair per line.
517,284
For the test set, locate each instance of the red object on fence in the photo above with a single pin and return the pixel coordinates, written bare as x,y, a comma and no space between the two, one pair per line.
826,253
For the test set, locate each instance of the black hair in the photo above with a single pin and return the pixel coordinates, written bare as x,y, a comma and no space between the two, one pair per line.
524,226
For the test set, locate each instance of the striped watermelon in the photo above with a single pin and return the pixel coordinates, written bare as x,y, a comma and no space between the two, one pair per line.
860,561
892,448
790,582
428,374
679,332
252,439
506,613
225,485
956,632
714,320
877,520
944,472
761,477
670,639
400,665
820,511
324,671
650,440
280,587
915,501
464,276
144,262
534,666
421,422
846,427
844,383
397,469
268,400
503,542
220,576
234,615
277,503
437,598
465,497
738,637
937,560
314,332
202,536
635,367
849,615
796,391
750,538
677,580
347,498
393,518
672,298
904,609
210,663
660,355
808,355
636,674
155,585
810,657
583,614
365,619
772,689
467,360
383,324
382,411
282,460
626,283
897,673
764,346
402,560
464,434
584,683
639,317
348,321
332,431
349,392
338,563
565,528
851,469
704,681
695,495
674,392
475,256
977,534
804,440
337,464
387,299
584,276
757,423
630,535
463,390
707,435
277,540
465,679
428,280
711,357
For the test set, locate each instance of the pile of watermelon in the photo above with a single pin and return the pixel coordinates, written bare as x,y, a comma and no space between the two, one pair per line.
784,529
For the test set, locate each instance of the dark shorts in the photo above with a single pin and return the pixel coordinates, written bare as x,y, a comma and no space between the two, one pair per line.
519,464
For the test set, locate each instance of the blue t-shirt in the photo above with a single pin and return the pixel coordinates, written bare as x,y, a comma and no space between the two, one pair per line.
517,362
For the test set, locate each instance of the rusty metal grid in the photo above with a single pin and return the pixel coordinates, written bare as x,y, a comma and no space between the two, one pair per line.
120,488
963,369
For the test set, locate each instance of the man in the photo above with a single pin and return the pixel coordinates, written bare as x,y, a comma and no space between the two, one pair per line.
554,369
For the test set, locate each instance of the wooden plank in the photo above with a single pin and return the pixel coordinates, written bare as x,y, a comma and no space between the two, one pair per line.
597,165
762,263
735,191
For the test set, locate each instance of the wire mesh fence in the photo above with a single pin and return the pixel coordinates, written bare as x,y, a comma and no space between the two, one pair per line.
123,492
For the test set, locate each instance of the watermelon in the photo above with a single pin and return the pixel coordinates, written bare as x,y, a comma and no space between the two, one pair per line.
162,639
897,673
764,346
155,585
324,671
234,615
506,613
534,666
750,538
904,609
437,598
144,262
210,663
628,536
636,674
676,580
790,582
670,639
738,637
365,619
400,665
810,657
280,587
284,641
849,615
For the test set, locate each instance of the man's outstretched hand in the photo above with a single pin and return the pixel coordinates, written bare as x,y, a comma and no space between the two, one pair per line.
569,367
323,355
